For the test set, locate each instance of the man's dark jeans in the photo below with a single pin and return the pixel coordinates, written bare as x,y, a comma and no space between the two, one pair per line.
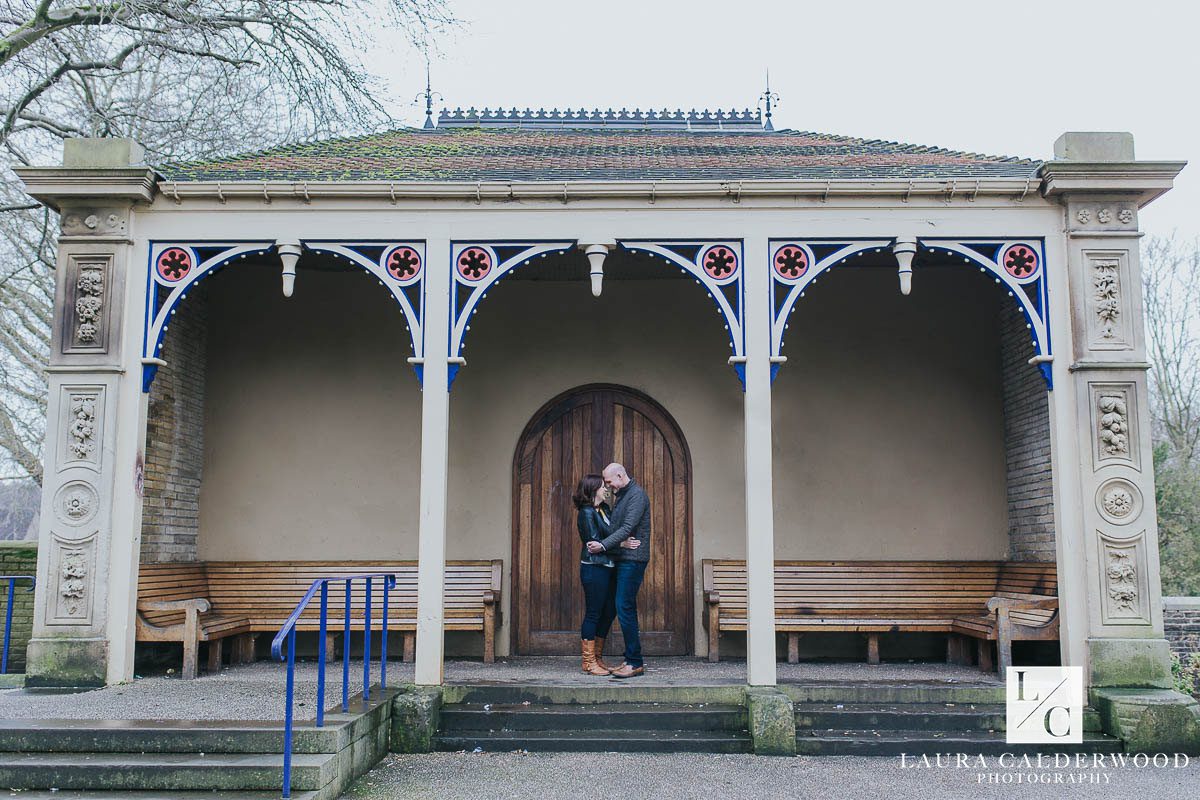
629,580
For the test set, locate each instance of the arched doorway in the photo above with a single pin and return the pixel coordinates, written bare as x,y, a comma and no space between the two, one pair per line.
581,431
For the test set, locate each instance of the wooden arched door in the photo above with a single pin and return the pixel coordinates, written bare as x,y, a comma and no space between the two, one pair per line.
576,433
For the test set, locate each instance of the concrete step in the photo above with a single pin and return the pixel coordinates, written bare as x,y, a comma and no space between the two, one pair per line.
899,716
587,690
163,771
885,692
459,718
591,741
924,742
165,736
100,794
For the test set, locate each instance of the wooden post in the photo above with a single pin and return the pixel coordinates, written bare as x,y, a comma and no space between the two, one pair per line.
215,648
760,510
872,648
793,648
435,423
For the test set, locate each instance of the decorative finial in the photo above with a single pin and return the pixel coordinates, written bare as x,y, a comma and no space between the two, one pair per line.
768,97
428,94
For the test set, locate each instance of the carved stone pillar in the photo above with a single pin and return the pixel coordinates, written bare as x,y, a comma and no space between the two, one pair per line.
95,425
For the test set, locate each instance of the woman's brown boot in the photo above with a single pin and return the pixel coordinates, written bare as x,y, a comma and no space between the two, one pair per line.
598,651
589,659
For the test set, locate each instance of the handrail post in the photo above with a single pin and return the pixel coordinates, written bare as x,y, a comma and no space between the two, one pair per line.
8,612
321,655
383,637
367,645
346,655
287,718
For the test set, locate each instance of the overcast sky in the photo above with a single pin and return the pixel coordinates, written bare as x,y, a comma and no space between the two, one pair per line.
998,77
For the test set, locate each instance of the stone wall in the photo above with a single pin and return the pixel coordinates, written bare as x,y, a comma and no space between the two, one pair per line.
175,438
1027,440
1181,622
18,558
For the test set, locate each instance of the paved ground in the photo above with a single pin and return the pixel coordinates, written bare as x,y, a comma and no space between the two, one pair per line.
256,691
543,776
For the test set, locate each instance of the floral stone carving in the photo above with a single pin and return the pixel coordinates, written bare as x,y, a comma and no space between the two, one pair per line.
82,426
1106,297
88,302
1122,580
1114,425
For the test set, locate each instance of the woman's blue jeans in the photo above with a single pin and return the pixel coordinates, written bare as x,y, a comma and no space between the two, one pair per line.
599,594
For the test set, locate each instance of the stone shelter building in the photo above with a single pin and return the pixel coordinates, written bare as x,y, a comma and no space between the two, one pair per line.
411,344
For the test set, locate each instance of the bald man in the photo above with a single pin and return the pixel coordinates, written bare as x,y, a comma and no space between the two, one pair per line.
630,524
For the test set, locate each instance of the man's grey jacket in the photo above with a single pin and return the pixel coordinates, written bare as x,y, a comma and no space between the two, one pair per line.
630,517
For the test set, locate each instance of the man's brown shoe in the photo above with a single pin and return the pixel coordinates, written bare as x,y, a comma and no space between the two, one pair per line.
626,671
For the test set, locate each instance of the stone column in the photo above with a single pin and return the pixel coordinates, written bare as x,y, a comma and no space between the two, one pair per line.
435,424
760,508
1107,527
83,630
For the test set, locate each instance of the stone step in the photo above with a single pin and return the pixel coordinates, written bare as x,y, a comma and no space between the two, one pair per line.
615,716
100,794
166,736
587,690
899,716
923,742
163,771
590,741
884,692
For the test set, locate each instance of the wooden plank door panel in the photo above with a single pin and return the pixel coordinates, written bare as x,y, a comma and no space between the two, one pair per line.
576,433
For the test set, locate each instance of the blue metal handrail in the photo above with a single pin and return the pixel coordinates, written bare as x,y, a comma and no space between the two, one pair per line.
288,631
12,585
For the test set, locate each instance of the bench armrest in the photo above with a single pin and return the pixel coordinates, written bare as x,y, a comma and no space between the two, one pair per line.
1018,604
489,597
712,597
199,604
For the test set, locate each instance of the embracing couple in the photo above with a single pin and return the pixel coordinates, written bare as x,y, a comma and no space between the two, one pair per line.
612,563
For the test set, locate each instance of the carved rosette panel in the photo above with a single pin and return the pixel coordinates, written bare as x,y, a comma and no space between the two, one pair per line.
1103,216
1107,317
81,431
1114,423
72,581
86,313
95,222
1125,594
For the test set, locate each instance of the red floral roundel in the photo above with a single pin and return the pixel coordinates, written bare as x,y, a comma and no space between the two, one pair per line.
474,263
174,264
403,263
1020,261
791,262
720,262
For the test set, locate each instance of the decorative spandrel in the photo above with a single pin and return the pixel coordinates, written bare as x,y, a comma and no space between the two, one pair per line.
1016,265
477,266
717,266
175,268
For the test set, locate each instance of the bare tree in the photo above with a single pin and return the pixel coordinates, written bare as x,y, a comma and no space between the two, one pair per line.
1171,283
189,80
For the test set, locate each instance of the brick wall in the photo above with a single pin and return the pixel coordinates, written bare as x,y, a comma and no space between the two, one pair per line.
1027,440
1181,621
18,558
175,438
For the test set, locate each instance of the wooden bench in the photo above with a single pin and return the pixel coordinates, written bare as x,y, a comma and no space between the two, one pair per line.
989,601
209,601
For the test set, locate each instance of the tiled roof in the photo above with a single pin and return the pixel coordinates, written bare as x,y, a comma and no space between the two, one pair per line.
471,154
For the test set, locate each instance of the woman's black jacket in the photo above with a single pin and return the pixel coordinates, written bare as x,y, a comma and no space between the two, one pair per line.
593,528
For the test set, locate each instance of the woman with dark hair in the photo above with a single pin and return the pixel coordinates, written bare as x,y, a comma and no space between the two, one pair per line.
596,573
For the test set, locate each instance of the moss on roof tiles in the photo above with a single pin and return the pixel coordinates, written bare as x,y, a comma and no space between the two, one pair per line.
524,154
